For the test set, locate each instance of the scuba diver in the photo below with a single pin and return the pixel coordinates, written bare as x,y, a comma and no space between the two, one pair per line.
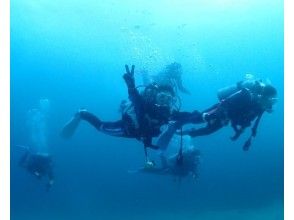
36,159
241,108
239,105
171,76
38,164
170,166
142,116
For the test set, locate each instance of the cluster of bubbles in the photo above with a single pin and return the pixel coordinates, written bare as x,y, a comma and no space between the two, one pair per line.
37,121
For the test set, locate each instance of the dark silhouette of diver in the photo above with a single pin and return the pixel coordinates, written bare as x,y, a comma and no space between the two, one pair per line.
240,109
170,166
40,165
240,106
141,118
171,75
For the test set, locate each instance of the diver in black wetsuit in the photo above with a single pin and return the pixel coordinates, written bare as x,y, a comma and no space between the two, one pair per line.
141,118
239,105
170,166
39,165
240,109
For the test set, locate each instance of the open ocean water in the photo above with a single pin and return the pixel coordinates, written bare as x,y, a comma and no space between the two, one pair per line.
73,53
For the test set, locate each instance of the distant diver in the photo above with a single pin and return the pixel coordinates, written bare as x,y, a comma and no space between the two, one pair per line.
238,105
39,165
36,159
171,75
171,167
142,116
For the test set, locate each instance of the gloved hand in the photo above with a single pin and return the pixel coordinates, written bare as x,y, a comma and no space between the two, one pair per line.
129,76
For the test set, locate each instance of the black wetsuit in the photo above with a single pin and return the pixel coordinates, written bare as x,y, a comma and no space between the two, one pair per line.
241,108
39,165
149,117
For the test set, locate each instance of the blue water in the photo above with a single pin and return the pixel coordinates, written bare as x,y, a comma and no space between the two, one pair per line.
74,52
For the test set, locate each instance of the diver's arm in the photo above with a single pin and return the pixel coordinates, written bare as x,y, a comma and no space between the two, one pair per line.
247,144
183,118
247,123
181,87
134,95
129,77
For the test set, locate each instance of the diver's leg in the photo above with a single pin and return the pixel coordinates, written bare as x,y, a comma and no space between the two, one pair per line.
110,128
70,127
209,129
181,87
113,128
90,118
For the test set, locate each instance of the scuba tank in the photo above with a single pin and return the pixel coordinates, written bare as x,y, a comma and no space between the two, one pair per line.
225,92
254,86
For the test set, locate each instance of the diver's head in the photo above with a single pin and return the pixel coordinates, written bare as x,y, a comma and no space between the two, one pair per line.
175,68
268,97
269,91
161,95
165,96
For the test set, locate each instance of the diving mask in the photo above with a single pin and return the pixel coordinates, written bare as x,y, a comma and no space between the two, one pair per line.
164,99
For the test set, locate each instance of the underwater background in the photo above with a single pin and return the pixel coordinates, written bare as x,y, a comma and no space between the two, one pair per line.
73,54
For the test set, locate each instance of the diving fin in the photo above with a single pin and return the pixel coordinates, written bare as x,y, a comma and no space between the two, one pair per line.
70,127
